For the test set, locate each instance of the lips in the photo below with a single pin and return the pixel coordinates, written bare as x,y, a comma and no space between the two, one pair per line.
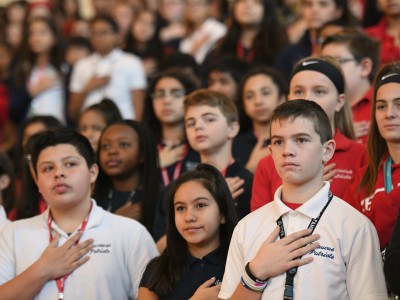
391,126
112,163
289,165
192,229
61,188
201,138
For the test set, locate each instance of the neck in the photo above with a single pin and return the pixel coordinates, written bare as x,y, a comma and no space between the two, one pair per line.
69,219
261,130
105,53
3,74
301,193
127,184
221,160
394,152
248,35
173,133
199,251
393,22
358,92
42,60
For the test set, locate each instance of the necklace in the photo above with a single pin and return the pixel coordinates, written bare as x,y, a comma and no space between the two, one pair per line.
111,194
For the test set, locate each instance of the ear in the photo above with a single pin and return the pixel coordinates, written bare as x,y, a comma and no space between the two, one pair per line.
340,103
366,67
93,172
329,150
5,181
282,99
223,221
233,130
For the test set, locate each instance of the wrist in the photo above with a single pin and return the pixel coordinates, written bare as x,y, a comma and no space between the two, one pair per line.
255,272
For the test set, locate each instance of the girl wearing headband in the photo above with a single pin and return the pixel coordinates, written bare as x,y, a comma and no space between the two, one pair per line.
377,193
321,80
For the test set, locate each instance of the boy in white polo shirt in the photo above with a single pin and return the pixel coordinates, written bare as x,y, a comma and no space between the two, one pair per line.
346,264
74,249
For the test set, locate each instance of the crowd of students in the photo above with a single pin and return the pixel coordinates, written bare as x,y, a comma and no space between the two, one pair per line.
166,150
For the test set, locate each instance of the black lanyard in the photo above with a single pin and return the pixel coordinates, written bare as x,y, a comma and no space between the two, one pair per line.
288,294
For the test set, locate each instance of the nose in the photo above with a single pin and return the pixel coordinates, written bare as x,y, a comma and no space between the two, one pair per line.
288,149
59,173
190,216
390,111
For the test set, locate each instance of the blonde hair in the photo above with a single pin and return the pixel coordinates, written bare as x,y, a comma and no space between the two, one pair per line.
343,119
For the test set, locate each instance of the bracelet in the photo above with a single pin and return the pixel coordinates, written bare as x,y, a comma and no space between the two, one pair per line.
252,283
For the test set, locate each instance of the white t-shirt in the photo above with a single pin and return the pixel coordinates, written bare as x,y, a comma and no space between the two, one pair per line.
122,249
211,28
3,218
126,74
347,264
51,101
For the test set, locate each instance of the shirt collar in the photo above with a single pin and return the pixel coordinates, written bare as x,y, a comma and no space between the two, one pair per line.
311,208
213,257
95,217
114,54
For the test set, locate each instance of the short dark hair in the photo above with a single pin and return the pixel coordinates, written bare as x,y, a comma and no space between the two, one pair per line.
62,136
80,42
307,109
359,44
106,19
232,65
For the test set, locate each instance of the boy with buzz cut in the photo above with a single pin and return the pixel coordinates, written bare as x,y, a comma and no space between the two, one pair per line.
358,54
211,122
74,250
344,264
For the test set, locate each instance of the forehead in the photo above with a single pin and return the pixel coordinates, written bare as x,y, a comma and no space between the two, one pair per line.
202,109
92,115
190,191
388,91
216,74
57,152
118,131
168,82
290,127
310,78
259,79
334,49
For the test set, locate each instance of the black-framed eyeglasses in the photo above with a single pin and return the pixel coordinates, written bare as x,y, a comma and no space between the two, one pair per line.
173,93
343,60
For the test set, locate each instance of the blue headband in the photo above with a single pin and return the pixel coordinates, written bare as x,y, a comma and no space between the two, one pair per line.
321,66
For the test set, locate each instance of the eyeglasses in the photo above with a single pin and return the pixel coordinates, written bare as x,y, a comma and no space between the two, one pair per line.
342,60
174,94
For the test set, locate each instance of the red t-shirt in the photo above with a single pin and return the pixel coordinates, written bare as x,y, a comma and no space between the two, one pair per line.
349,157
381,208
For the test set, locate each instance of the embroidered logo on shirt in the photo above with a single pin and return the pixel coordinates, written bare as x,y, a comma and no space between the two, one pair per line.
324,251
344,174
100,249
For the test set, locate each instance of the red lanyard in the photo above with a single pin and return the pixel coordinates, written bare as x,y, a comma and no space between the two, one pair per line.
177,170
240,51
60,281
223,171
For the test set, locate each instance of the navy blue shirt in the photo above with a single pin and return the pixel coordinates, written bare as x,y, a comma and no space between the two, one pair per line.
199,271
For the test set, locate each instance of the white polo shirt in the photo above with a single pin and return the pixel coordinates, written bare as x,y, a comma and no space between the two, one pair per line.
212,29
126,74
122,249
347,264
51,101
3,218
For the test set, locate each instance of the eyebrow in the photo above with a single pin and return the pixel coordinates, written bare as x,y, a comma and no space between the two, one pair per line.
203,115
194,200
63,159
297,135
